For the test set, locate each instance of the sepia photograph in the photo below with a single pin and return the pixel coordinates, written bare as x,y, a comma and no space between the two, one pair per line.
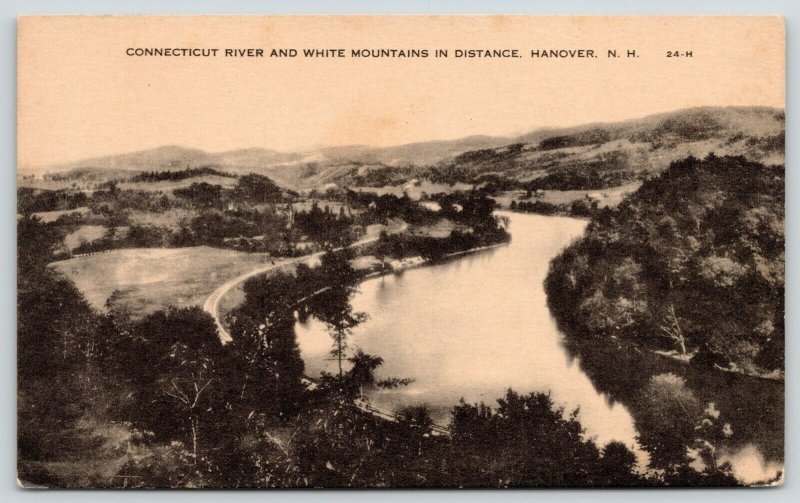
400,251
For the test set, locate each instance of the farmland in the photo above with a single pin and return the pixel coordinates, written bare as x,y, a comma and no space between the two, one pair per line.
144,280
608,197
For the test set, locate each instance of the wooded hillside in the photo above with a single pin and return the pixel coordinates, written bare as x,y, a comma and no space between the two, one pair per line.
692,262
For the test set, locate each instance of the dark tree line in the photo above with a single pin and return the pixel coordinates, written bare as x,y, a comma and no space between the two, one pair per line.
385,206
34,201
209,228
174,176
324,226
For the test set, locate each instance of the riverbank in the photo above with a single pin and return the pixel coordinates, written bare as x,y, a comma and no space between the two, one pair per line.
413,265
481,309
421,262
753,406
694,263
363,403
212,303
775,375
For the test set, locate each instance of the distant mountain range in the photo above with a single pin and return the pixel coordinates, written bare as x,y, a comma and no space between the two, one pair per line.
639,145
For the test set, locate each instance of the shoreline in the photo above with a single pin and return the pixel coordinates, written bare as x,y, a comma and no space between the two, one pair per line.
554,214
423,263
778,377
211,305
363,403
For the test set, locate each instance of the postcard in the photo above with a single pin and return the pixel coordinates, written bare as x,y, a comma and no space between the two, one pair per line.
400,251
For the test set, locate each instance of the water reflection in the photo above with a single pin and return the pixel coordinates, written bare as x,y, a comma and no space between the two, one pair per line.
473,327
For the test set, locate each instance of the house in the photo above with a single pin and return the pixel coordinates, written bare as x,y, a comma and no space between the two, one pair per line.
411,184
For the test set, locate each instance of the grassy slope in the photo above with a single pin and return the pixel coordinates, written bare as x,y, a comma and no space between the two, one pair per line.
150,279
84,234
169,185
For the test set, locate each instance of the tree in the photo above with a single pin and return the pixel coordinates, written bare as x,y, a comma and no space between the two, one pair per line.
362,372
383,248
257,189
188,382
172,360
334,309
264,369
617,465
671,328
332,306
668,419
527,441
203,195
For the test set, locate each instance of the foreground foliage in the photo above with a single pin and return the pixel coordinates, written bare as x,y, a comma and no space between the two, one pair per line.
107,401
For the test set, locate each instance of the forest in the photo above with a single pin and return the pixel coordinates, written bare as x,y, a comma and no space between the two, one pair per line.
173,176
110,401
691,264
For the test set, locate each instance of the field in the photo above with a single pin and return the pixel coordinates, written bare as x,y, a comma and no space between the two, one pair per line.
416,191
364,262
170,219
84,234
439,230
170,185
52,216
150,279
84,185
608,197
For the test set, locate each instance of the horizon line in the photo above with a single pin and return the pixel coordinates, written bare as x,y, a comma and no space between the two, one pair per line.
40,168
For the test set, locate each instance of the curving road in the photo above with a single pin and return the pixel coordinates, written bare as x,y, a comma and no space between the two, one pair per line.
211,305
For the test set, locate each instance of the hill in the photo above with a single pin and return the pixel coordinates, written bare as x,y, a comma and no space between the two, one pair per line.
590,156
173,158
693,262
417,154
597,156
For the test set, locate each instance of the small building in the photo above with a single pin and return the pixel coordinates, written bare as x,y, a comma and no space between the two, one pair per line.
411,184
431,205
405,263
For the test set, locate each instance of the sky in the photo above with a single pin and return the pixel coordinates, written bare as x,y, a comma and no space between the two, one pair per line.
80,95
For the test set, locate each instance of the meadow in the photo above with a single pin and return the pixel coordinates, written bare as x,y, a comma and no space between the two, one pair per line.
144,280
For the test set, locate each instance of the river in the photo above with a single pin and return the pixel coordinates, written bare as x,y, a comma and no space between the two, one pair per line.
473,327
